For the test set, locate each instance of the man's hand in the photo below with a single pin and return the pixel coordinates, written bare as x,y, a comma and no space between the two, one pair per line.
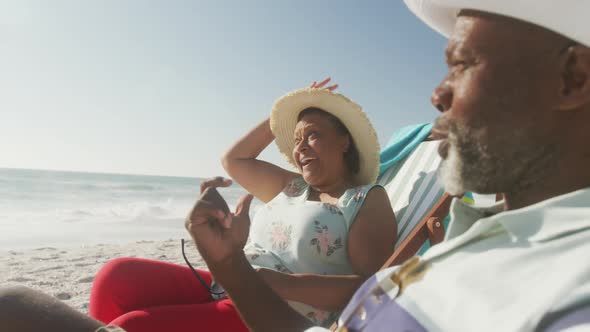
220,240
218,236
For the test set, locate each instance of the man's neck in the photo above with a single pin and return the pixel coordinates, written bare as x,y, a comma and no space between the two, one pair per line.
569,177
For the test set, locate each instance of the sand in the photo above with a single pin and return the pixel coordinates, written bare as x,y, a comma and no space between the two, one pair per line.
67,273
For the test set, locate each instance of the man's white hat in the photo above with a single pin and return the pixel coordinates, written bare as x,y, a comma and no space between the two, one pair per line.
570,18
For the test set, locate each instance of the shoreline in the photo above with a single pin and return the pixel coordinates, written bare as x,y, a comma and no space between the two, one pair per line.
67,273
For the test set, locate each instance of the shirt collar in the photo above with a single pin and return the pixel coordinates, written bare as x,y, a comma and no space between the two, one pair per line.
539,222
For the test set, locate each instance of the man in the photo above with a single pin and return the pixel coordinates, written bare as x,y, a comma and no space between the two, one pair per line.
515,118
26,310
515,114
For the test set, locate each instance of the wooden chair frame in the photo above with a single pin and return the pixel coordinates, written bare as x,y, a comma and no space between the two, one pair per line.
430,228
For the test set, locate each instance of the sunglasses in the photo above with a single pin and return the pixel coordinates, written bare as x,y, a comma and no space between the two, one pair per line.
215,289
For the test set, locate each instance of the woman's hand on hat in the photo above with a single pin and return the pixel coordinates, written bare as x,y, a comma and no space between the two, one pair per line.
322,85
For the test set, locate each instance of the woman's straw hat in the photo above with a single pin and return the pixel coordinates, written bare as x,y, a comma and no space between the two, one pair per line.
286,109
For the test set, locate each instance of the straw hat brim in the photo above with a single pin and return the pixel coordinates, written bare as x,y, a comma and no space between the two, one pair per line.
286,109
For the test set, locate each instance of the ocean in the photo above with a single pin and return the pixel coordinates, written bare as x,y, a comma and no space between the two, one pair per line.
56,208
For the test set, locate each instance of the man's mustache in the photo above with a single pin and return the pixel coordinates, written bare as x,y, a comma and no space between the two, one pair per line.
442,128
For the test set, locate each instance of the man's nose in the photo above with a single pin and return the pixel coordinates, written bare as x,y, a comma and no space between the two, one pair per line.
442,97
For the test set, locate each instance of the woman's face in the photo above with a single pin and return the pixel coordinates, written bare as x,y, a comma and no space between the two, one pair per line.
319,150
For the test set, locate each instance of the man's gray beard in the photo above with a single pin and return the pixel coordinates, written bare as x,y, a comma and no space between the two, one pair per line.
470,166
450,172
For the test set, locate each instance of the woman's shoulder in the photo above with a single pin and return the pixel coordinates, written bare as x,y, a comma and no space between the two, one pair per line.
353,199
358,193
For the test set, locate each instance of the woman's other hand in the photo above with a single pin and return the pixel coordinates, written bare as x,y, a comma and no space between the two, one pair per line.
322,85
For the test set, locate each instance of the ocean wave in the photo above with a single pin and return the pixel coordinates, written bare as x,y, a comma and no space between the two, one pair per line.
109,212
119,187
138,187
61,205
123,212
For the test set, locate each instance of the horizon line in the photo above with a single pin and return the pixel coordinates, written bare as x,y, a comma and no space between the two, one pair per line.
99,172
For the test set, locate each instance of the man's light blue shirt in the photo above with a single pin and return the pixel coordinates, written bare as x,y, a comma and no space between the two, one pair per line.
495,271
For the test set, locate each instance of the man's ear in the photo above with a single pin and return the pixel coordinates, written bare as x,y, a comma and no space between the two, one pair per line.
575,78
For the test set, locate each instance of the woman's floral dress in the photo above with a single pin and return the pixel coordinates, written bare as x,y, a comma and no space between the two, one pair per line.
294,235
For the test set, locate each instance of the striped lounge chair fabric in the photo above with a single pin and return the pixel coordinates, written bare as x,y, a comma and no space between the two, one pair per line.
412,187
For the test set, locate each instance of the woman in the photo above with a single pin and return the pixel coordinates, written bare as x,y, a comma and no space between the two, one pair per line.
322,231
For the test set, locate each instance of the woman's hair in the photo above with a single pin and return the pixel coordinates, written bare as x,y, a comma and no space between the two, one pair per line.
351,157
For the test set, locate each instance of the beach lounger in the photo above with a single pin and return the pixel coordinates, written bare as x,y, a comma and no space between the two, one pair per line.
418,200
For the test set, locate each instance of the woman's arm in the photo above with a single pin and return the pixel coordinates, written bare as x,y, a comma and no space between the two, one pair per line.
325,292
262,179
371,241
372,236
261,309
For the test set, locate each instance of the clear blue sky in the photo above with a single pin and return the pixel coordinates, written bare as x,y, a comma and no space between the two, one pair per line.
163,87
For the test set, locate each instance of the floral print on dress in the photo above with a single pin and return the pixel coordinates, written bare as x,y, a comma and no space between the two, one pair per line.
280,236
323,241
295,188
359,195
332,208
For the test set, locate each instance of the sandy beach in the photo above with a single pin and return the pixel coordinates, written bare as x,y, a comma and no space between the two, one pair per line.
67,273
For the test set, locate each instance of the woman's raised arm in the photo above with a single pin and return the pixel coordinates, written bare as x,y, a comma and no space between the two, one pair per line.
262,179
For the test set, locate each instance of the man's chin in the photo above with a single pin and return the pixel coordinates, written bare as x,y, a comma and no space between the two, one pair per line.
450,172
456,180
451,179
443,149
